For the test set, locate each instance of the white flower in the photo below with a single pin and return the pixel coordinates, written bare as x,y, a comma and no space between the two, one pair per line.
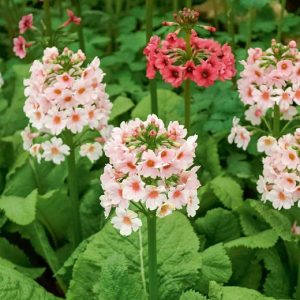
28,137
55,150
92,151
165,210
126,221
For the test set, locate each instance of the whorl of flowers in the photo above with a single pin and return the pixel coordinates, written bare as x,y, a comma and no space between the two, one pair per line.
202,60
63,97
280,182
271,77
151,169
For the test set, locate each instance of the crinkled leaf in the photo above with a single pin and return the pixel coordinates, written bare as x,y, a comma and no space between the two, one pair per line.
218,292
215,265
192,295
265,239
14,285
177,251
218,225
277,283
279,222
19,210
125,286
228,191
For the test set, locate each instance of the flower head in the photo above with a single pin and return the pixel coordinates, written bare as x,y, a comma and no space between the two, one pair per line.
25,23
150,168
72,18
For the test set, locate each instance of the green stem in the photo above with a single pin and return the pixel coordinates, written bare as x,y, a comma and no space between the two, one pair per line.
215,8
187,85
80,28
73,190
152,84
152,257
298,282
189,3
230,22
280,20
175,6
276,121
47,20
250,25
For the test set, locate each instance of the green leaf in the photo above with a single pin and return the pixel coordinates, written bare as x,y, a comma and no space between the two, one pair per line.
218,225
120,105
280,223
265,239
125,286
170,106
19,210
14,285
217,292
177,251
192,295
215,265
228,191
277,283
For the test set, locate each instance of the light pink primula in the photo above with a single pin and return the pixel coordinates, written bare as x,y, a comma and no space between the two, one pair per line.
62,95
150,167
280,183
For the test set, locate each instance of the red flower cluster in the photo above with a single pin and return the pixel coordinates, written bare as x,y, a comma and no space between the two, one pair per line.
209,61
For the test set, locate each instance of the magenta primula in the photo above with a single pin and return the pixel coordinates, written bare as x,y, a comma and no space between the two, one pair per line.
176,58
150,169
280,183
63,96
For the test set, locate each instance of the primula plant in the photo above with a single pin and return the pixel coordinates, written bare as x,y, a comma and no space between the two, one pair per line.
67,108
151,172
189,58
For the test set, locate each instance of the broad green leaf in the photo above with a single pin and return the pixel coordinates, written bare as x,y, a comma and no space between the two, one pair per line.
170,106
218,225
228,191
277,283
218,292
120,105
125,286
215,265
14,285
264,239
177,251
192,295
279,222
246,268
19,210
30,272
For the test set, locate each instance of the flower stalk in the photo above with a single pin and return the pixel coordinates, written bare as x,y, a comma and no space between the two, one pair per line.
47,19
280,20
80,28
152,83
73,190
276,121
152,257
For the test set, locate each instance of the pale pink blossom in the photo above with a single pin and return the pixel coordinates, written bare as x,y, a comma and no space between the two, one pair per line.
54,150
92,151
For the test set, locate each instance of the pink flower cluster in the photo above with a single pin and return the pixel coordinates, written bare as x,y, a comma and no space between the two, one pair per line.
62,95
280,183
271,77
151,169
209,60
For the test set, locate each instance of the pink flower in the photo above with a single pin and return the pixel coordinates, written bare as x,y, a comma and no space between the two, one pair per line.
155,197
54,150
266,144
72,18
205,75
285,67
77,120
20,46
189,68
173,75
134,188
254,114
25,23
149,166
240,135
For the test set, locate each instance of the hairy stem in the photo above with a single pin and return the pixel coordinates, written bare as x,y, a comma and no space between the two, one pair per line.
73,190
276,121
152,257
152,84
280,20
